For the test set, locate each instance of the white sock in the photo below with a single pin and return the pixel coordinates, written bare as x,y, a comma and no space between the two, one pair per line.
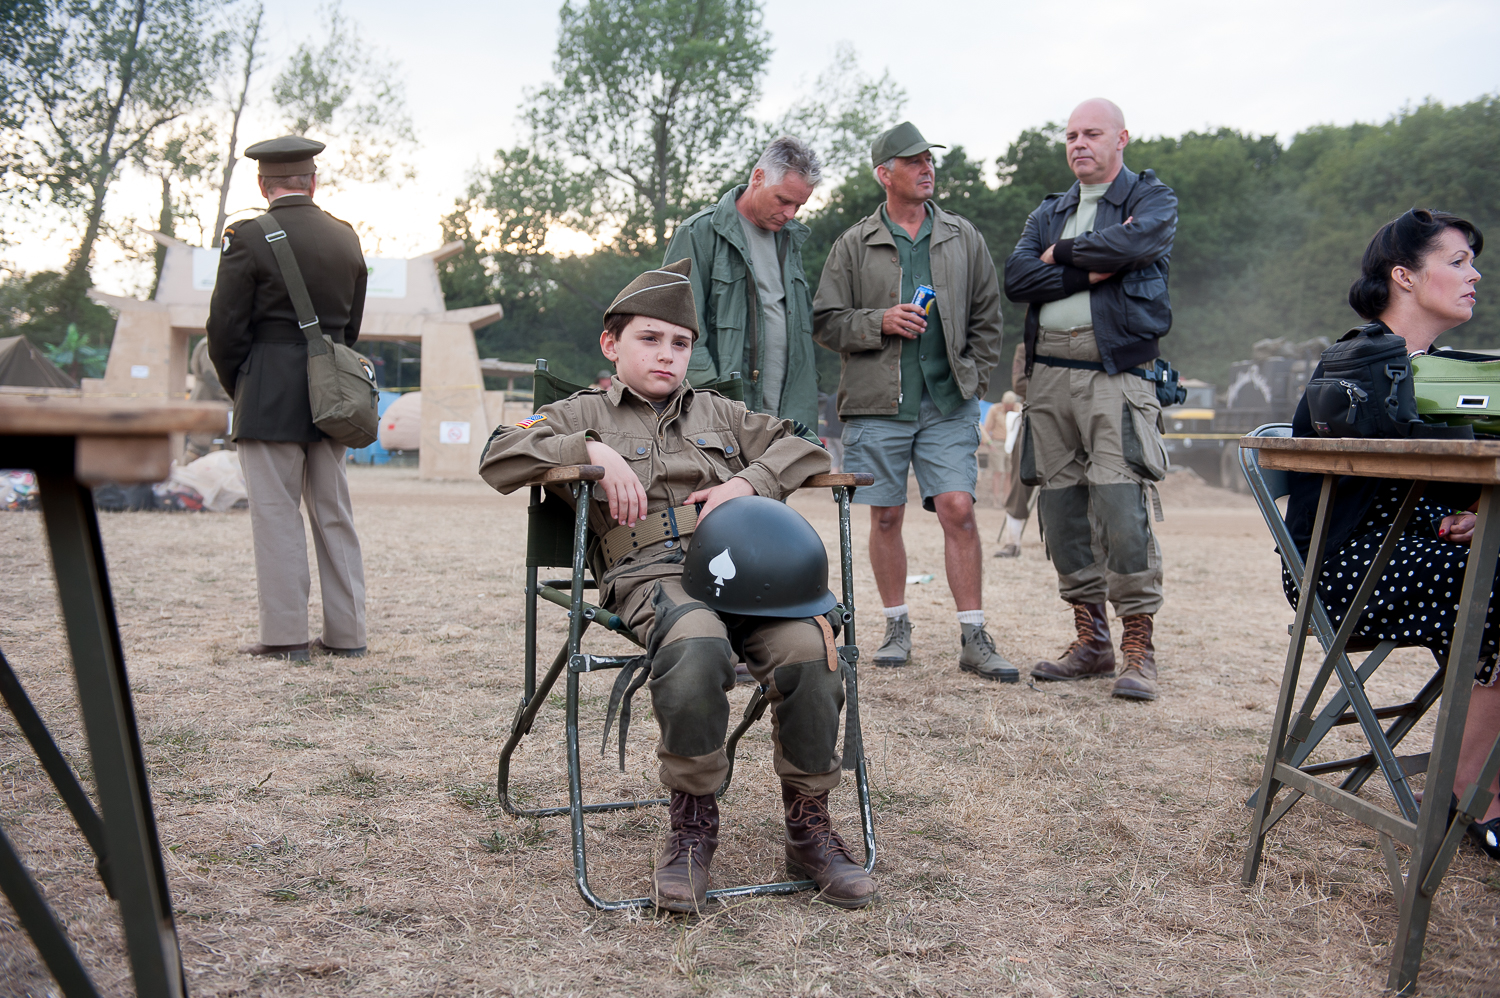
892,612
971,617
1015,526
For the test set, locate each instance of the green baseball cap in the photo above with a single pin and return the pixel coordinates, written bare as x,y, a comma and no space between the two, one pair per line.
903,140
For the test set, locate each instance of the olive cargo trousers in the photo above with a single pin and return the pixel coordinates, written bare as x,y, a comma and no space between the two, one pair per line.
1097,442
692,651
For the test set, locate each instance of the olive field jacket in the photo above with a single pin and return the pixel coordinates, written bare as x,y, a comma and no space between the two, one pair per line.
862,279
724,290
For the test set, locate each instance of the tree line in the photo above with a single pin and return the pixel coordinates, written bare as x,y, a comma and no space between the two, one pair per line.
649,119
650,115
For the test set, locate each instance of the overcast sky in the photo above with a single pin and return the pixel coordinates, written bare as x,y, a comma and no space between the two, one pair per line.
975,73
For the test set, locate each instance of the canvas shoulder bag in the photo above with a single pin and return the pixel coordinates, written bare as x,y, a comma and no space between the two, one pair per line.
1365,390
340,382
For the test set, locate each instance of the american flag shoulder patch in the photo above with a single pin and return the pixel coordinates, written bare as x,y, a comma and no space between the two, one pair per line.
531,421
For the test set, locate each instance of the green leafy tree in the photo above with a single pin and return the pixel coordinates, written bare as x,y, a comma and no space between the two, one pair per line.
95,81
343,92
840,114
651,107
77,356
245,46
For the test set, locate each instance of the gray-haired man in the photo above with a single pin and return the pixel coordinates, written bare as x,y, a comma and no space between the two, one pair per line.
754,308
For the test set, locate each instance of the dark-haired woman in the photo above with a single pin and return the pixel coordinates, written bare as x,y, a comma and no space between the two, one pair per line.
1417,279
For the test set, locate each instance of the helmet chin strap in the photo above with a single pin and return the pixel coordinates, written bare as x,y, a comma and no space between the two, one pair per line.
828,645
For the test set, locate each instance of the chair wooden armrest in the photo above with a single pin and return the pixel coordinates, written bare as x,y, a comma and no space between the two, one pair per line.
569,473
838,481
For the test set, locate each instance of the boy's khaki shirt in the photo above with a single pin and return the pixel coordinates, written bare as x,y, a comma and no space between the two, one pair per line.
701,439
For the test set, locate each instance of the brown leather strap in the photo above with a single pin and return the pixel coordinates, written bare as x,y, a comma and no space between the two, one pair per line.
671,524
828,645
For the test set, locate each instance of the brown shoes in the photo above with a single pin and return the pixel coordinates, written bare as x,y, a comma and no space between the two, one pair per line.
295,653
815,851
1090,656
1137,681
680,881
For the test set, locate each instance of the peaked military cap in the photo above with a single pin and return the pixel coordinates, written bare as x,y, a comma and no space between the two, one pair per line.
288,156
665,294
903,140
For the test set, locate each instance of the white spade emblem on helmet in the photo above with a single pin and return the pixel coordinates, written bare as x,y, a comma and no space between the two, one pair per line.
723,568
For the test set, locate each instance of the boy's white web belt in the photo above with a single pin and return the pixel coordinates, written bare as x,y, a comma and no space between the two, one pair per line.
671,525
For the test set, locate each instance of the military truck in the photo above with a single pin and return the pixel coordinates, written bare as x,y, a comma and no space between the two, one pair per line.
1202,433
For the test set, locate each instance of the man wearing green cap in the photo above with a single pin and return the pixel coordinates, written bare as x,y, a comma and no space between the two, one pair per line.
260,353
749,286
664,448
912,380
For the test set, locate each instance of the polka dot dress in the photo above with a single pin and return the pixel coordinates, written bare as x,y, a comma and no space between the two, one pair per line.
1416,602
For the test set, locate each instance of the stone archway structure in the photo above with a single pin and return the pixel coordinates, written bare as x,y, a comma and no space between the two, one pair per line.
404,301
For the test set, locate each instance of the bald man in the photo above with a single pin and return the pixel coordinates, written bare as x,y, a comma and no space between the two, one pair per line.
1092,267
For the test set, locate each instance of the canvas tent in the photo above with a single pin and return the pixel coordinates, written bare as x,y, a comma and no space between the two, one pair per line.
24,365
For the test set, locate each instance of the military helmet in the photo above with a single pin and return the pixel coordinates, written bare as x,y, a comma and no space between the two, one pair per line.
758,557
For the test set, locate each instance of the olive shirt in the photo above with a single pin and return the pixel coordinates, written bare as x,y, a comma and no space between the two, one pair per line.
699,440
257,348
924,360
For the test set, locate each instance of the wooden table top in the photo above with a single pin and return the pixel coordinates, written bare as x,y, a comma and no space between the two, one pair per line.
63,416
1473,461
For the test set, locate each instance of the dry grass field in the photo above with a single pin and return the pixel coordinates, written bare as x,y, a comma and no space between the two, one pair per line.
332,830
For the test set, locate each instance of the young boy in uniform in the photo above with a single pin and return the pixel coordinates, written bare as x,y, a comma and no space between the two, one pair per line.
665,447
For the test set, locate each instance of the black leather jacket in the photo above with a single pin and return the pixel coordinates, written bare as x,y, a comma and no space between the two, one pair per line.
1131,310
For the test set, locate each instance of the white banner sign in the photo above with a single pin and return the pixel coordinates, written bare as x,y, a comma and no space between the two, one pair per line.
387,277
205,268
453,433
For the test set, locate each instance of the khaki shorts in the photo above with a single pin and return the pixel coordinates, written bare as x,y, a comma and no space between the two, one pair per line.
940,448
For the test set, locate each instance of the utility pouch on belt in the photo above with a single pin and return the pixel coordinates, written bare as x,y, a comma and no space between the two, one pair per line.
340,382
1366,390
1027,455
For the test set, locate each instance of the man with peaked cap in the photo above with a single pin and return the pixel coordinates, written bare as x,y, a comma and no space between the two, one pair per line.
666,447
911,382
260,353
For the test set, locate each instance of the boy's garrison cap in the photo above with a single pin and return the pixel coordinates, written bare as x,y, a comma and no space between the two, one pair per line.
665,294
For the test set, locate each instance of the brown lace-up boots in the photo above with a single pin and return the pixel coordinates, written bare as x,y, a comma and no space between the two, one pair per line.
815,851
1091,654
1137,681
681,877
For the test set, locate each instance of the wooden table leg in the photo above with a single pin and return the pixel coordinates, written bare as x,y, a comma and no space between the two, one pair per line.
136,869
1432,822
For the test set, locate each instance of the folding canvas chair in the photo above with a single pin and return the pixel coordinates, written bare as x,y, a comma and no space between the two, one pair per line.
558,535
1349,703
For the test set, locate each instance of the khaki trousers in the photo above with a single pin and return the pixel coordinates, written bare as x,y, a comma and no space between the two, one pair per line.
1097,441
692,652
280,477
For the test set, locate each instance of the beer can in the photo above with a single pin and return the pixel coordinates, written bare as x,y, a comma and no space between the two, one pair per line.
924,298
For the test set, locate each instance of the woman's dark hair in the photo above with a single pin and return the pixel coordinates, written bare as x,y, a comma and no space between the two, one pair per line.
1402,243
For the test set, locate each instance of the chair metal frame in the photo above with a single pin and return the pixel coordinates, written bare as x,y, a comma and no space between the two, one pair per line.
569,594
1305,731
1429,832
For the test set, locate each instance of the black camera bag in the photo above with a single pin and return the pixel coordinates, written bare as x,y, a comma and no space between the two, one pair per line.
1364,389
